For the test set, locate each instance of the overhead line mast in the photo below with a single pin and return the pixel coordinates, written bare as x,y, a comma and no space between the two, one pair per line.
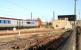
31,15
79,15
75,7
53,16
75,1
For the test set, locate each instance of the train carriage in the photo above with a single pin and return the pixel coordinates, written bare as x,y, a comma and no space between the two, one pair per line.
9,23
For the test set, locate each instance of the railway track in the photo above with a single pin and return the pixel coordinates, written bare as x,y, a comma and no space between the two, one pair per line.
27,31
34,41
2,33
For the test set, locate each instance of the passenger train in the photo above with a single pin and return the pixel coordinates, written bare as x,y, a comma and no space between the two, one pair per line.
9,23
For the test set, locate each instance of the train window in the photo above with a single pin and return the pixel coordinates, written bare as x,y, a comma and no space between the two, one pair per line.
28,22
9,22
0,21
4,21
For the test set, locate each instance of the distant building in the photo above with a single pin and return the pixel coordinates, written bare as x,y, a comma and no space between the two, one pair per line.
70,18
67,17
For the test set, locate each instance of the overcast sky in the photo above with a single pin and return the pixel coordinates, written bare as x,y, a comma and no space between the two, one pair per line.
40,8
